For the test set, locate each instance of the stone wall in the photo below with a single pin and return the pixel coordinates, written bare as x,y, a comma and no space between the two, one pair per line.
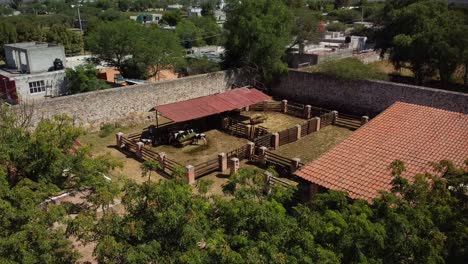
131,104
362,97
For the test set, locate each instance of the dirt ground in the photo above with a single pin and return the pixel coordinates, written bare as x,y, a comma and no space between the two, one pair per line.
275,121
194,154
131,167
314,145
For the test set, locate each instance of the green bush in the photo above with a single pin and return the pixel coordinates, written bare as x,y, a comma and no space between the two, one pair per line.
351,69
107,129
337,26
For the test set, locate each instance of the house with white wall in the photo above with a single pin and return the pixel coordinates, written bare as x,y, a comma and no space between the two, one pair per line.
33,71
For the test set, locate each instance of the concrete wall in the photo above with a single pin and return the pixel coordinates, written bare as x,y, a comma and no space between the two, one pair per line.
42,59
131,104
362,97
55,85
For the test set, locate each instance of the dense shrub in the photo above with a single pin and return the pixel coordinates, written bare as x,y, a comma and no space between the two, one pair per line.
351,69
107,129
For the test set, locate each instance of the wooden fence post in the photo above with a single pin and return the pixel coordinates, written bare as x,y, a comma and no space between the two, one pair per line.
162,160
364,120
222,160
307,111
250,150
118,139
295,164
298,135
234,166
284,105
266,180
335,117
317,123
225,123
190,174
276,140
139,148
249,131
262,155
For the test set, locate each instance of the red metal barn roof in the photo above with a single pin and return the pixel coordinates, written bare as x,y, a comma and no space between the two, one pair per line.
414,134
212,104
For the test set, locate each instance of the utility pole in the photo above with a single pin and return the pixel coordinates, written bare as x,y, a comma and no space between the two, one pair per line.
79,16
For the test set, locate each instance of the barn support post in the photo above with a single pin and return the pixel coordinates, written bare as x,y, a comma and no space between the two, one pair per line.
249,131
234,166
250,150
222,160
307,111
284,105
262,155
266,181
190,174
275,140
335,117
298,130
162,160
225,123
364,120
317,124
138,151
118,139
295,164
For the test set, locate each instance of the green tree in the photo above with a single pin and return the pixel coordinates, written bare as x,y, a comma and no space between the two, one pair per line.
7,35
72,41
306,28
422,36
188,31
171,18
212,34
258,32
336,26
158,50
350,69
123,5
200,66
27,31
342,3
114,42
84,79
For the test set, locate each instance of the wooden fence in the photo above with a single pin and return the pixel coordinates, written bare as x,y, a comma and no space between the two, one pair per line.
281,163
264,141
308,127
296,110
326,119
287,136
240,153
206,167
273,106
170,166
275,181
348,121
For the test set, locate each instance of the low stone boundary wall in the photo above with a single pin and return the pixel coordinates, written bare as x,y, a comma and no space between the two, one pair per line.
132,104
362,97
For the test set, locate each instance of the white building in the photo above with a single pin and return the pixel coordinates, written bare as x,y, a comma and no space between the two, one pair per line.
34,70
194,12
174,7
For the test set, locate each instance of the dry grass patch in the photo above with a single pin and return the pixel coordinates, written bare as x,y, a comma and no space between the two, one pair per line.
314,145
275,121
194,154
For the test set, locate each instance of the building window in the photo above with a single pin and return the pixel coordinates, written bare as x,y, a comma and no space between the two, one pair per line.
37,87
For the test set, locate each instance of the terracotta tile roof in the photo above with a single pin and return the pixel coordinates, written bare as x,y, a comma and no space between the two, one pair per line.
416,135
